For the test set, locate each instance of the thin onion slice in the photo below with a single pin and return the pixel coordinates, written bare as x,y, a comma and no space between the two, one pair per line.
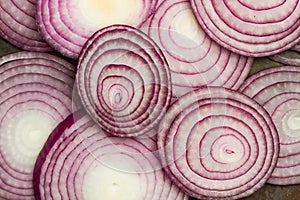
123,80
18,25
216,143
251,28
80,161
278,90
195,59
67,24
35,95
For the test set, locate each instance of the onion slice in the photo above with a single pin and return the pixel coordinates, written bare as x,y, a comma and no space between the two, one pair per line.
80,161
67,24
216,143
123,80
195,59
250,28
278,90
18,25
35,95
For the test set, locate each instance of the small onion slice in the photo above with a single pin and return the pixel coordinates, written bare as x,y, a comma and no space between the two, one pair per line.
80,161
195,59
216,143
251,28
18,25
124,80
67,24
35,95
278,90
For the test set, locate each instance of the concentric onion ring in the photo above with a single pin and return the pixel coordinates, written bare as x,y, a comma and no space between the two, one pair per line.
195,59
278,91
67,24
80,161
218,144
124,80
35,95
251,28
18,25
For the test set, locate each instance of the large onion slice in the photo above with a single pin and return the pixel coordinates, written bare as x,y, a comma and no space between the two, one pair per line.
18,25
195,59
216,143
35,95
67,24
124,80
278,90
80,161
252,28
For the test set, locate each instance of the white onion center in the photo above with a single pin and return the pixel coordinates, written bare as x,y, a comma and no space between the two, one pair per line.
104,13
293,122
27,132
187,27
102,182
227,149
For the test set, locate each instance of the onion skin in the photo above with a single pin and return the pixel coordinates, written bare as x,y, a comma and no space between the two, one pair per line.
124,81
78,146
195,59
65,27
216,143
18,25
248,28
277,89
35,95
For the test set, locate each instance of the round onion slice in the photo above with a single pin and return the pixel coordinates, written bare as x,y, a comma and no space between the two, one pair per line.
18,25
35,95
67,24
80,161
195,59
251,28
216,143
278,91
124,80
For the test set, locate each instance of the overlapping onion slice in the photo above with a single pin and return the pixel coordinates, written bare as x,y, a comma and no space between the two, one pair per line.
216,143
278,90
67,24
124,80
252,28
35,95
195,59
80,161
18,25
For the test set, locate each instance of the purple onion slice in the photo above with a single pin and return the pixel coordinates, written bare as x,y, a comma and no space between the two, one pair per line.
35,95
18,25
216,143
278,90
251,28
67,24
80,161
195,59
124,80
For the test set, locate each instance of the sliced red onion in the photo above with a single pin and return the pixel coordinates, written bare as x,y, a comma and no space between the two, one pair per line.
216,143
35,95
278,91
195,59
18,25
251,28
67,24
124,80
80,161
